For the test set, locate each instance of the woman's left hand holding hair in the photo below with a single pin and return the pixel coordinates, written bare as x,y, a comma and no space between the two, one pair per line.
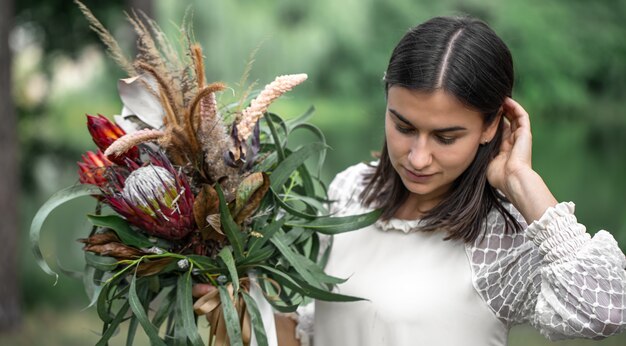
511,170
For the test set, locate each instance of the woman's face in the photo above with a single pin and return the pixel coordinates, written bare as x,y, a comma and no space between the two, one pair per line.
431,139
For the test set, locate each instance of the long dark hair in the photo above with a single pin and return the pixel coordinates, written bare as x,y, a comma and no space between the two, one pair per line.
464,57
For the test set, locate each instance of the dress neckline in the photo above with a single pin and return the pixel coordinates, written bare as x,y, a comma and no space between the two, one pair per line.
395,224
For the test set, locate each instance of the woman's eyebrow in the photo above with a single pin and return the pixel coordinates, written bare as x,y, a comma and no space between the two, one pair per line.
445,129
400,117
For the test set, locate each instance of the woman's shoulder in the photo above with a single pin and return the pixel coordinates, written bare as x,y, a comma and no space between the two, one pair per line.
345,189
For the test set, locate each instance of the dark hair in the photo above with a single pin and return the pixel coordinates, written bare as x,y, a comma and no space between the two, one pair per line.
464,57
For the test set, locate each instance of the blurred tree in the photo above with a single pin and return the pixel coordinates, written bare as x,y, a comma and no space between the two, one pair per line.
10,312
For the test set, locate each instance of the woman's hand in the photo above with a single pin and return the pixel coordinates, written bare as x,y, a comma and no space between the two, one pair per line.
515,154
198,290
511,170
285,326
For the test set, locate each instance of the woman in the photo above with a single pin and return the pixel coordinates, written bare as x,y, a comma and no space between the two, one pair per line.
452,261
471,241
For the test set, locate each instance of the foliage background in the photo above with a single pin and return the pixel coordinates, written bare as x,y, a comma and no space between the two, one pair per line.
570,77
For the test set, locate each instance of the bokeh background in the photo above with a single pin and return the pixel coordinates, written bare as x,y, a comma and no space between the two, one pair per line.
571,77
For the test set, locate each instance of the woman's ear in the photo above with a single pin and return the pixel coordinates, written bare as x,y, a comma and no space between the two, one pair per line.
490,130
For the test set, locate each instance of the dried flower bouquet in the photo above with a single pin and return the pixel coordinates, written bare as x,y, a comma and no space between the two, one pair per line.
189,191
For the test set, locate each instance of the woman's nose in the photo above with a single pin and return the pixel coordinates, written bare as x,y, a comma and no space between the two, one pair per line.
420,155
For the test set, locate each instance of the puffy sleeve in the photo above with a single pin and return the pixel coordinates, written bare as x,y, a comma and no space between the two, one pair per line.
344,192
583,281
554,275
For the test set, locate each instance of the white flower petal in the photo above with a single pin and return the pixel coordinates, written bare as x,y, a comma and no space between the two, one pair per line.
140,101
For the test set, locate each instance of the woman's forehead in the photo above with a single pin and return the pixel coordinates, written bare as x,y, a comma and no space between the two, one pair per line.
436,108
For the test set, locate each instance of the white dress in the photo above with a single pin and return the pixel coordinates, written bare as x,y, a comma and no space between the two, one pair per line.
421,290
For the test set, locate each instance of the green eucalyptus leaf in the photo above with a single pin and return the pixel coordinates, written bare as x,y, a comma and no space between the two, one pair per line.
335,225
139,312
91,288
313,203
229,261
294,260
266,234
112,327
279,145
255,319
103,304
292,210
204,262
315,274
233,328
184,305
165,308
291,163
132,330
317,132
232,231
52,203
306,289
127,235
301,119
259,256
103,263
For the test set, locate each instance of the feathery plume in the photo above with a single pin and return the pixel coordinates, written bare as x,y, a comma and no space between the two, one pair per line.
259,105
114,49
124,143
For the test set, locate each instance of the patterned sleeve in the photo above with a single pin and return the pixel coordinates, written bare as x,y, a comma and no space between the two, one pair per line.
555,276
343,192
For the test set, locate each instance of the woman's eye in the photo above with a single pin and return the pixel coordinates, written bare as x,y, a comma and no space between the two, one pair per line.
402,129
445,140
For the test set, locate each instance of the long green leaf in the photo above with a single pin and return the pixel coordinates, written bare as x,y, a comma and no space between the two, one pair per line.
322,138
232,231
55,201
122,229
306,289
185,309
284,170
91,288
259,256
255,319
277,142
139,312
229,261
314,273
301,119
132,330
111,328
290,209
233,328
294,260
335,225
103,263
207,263
165,307
267,234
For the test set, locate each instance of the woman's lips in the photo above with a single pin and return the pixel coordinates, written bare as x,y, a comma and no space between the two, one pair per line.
418,178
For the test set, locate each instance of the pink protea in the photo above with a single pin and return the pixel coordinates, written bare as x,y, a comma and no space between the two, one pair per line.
93,168
104,133
156,199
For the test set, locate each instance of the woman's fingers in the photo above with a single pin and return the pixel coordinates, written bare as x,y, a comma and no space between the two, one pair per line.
198,290
516,114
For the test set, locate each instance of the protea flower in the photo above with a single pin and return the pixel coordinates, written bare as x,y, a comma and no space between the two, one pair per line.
156,199
92,169
104,132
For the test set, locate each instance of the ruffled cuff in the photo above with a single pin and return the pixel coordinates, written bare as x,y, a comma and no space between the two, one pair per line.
557,233
304,324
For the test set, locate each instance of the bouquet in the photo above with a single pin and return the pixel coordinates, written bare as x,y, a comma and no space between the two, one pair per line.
190,190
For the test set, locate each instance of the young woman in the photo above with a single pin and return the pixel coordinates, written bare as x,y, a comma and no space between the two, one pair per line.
471,241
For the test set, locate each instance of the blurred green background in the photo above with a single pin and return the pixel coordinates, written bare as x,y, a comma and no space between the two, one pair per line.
571,77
